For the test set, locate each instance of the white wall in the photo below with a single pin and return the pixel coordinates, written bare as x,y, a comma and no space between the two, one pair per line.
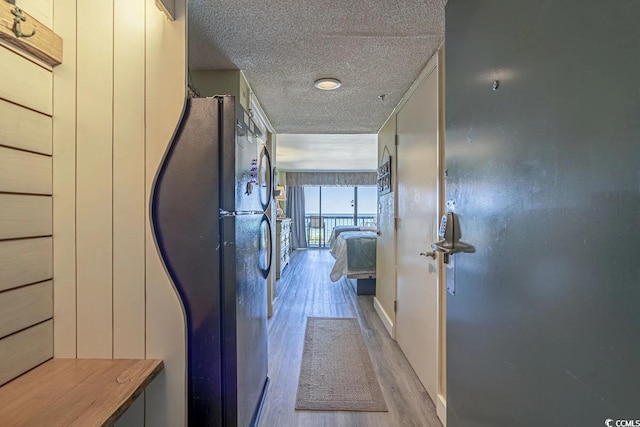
26,289
386,250
118,96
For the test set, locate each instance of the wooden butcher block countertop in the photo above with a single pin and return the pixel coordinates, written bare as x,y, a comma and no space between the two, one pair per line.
75,392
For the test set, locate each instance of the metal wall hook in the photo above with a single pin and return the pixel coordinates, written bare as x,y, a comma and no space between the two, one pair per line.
18,19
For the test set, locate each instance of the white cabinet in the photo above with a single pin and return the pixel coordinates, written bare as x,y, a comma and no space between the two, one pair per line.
283,244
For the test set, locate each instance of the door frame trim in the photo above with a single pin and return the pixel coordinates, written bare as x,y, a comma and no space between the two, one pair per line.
435,63
441,404
426,72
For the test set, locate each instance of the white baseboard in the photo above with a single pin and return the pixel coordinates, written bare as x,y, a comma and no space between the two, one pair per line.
386,321
441,409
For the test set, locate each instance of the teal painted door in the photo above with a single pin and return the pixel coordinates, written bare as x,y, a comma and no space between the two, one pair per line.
545,171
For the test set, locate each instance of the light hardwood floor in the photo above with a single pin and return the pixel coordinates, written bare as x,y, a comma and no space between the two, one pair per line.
305,290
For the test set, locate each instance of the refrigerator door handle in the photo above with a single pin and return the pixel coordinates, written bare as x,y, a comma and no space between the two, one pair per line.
224,213
265,178
270,246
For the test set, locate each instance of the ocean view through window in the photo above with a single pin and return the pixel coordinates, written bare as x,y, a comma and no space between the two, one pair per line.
327,207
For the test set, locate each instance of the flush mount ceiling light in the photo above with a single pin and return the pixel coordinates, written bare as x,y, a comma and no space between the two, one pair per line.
327,84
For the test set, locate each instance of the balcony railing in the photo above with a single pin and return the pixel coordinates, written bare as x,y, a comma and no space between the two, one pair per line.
318,229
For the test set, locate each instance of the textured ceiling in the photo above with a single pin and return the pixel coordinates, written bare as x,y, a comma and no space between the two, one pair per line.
375,47
314,152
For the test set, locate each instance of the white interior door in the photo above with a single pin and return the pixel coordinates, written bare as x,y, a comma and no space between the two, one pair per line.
417,295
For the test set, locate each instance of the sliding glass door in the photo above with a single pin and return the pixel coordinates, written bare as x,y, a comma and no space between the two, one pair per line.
367,206
328,207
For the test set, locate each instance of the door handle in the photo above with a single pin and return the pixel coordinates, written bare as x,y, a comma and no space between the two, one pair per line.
428,254
443,246
450,234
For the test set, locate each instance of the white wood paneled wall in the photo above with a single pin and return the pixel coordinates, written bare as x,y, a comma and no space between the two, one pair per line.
129,178
42,10
24,82
26,184
26,306
64,182
25,261
94,177
25,129
118,96
27,348
165,96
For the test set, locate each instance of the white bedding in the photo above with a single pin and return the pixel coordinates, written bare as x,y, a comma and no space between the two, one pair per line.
355,253
339,229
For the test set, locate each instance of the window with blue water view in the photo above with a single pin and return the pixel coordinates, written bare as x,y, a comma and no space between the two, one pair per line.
327,207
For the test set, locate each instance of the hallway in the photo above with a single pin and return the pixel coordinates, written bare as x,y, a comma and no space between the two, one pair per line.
305,290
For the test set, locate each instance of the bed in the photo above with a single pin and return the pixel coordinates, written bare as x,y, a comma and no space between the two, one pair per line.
355,254
339,229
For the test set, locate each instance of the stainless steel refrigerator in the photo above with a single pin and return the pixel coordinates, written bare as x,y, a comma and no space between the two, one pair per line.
208,214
